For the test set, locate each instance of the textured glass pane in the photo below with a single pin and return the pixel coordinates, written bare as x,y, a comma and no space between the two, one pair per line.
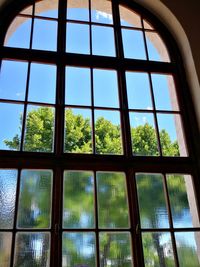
133,43
153,210
78,10
5,249
32,250
108,132
103,43
78,250
78,199
8,184
34,210
129,18
105,84
44,39
18,34
13,88
42,84
77,38
158,250
188,245
78,86
101,11
182,200
47,8
115,250
112,200
143,134
78,131
39,132
138,90
11,116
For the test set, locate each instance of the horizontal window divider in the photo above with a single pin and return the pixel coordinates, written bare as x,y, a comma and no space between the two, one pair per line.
92,107
172,230
116,230
36,17
85,22
155,111
11,101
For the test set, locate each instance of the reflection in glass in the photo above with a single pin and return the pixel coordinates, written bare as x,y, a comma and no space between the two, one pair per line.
34,210
78,249
5,248
153,210
8,184
112,200
47,8
78,199
129,18
101,12
32,249
78,10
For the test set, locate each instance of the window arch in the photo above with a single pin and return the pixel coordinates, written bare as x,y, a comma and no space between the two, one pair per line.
94,148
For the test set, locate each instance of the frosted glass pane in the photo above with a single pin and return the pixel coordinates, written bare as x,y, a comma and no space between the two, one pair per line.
47,8
78,10
5,249
129,18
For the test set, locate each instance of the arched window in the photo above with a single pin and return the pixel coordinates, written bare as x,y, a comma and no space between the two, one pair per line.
97,166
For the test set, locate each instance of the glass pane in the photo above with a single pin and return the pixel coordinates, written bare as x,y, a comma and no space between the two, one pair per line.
43,39
101,12
47,8
32,249
77,38
27,11
39,133
42,84
78,250
156,48
115,250
78,131
129,18
158,250
112,200
147,25
78,10
78,86
105,84
13,80
133,43
18,34
182,200
103,43
138,90
153,210
78,199
5,249
164,92
143,134
108,132
188,245
171,135
8,184
34,210
11,116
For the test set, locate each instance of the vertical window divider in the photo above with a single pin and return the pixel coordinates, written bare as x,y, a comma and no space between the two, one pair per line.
96,221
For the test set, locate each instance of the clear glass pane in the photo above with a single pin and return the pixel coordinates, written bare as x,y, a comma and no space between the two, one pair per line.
11,116
157,50
34,209
44,39
153,210
129,18
8,184
108,132
39,132
77,38
138,90
5,249
32,249
78,131
47,8
143,134
115,250
27,11
78,199
101,12
18,34
182,200
78,10
78,86
42,84
171,135
103,43
105,84
188,245
78,250
164,92
13,79
158,250
112,200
